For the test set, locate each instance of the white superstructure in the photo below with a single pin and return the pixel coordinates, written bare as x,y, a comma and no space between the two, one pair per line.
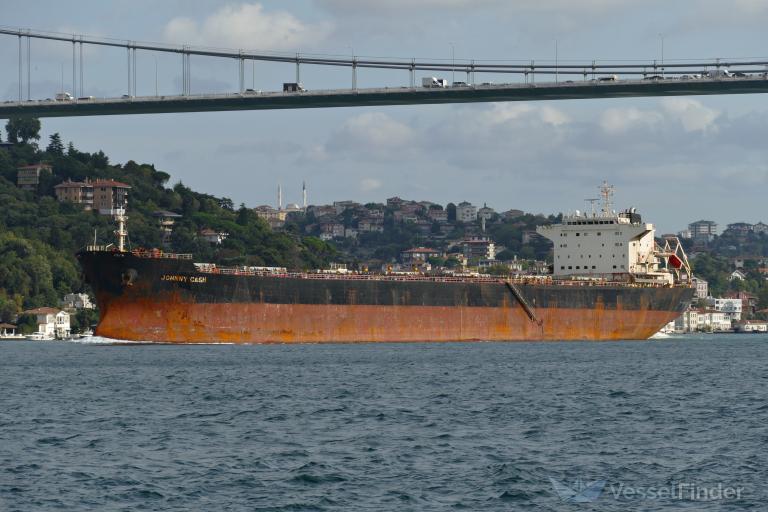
606,244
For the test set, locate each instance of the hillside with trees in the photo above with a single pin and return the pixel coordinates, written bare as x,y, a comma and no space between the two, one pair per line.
39,236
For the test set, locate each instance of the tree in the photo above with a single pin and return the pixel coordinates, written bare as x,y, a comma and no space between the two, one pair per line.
451,209
23,129
55,146
99,160
498,270
227,204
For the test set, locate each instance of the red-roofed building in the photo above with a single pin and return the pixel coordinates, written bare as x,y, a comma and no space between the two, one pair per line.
212,236
51,321
80,192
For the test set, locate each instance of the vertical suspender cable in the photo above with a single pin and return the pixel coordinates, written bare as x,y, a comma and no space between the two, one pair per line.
29,69
134,71
129,70
82,87
20,97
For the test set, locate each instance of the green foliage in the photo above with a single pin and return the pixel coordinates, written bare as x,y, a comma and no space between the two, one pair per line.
32,274
509,234
83,319
498,270
451,209
26,324
23,129
55,146
715,270
40,236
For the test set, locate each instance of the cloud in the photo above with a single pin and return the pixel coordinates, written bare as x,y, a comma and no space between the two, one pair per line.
504,113
247,26
359,7
373,133
618,120
370,184
691,113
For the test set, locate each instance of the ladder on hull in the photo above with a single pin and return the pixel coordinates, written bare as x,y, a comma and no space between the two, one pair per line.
524,303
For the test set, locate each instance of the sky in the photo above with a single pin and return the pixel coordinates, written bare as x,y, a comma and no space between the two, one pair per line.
676,159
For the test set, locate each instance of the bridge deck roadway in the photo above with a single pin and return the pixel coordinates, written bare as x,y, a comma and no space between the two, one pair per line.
384,96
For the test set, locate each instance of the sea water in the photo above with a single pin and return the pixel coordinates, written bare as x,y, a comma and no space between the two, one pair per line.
677,423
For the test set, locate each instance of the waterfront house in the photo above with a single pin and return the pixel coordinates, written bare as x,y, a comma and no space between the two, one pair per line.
752,326
711,320
51,321
730,306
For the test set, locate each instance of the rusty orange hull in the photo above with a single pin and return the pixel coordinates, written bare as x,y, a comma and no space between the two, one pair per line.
171,301
288,323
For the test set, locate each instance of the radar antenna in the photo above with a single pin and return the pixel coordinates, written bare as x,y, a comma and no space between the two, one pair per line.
592,201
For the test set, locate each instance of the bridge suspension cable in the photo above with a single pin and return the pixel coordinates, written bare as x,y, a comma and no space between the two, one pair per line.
470,67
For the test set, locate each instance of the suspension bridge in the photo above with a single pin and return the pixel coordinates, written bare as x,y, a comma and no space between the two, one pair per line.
517,80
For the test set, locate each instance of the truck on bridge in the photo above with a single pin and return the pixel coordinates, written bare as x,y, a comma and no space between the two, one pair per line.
432,82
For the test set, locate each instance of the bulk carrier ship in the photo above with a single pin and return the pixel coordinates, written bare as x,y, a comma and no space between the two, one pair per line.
610,280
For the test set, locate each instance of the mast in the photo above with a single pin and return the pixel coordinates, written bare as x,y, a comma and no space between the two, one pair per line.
606,192
121,232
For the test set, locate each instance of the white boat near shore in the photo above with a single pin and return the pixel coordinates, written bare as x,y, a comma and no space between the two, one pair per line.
39,336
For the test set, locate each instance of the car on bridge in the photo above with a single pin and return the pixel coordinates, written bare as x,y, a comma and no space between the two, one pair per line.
609,78
64,96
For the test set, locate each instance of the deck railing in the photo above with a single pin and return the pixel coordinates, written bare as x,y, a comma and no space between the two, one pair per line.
209,268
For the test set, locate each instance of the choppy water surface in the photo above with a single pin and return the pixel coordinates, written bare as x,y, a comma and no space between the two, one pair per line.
384,427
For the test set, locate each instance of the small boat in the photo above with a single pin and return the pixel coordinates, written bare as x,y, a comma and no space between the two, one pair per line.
39,336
